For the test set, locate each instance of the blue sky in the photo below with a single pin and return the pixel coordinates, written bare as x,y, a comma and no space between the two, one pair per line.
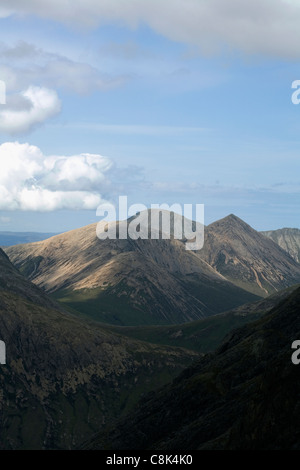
183,101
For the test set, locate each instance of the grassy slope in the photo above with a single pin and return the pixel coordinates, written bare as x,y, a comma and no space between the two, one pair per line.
202,336
115,306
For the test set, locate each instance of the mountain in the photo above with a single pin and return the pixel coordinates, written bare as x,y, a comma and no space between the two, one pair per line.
16,238
245,396
127,282
288,239
248,258
65,377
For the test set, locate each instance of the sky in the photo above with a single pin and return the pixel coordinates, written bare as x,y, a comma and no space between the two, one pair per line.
169,101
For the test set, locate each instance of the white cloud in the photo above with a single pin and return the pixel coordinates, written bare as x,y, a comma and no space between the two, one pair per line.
28,109
81,172
24,64
258,26
31,181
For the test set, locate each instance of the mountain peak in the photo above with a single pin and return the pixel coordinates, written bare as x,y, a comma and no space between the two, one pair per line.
248,258
231,223
233,217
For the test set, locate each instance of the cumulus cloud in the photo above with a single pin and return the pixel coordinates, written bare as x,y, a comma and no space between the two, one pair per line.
258,26
28,109
31,181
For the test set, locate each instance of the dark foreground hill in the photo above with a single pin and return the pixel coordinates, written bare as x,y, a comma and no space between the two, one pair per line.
64,377
244,396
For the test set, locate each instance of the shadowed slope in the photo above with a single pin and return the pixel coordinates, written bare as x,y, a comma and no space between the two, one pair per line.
244,396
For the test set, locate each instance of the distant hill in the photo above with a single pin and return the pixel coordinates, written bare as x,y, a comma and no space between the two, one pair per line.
16,238
245,396
288,239
248,258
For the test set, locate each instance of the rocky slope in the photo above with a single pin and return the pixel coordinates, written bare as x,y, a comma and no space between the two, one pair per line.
288,239
248,258
127,282
64,377
243,396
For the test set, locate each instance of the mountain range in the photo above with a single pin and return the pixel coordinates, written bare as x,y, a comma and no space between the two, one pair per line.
146,281
127,282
